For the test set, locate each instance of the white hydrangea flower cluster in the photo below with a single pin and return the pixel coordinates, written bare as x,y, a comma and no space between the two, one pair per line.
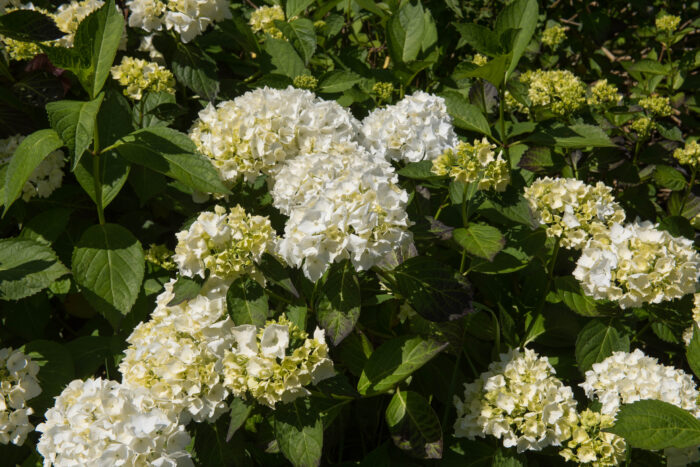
571,209
342,203
416,128
18,384
688,333
273,364
140,76
263,20
188,18
46,177
101,422
226,244
637,263
590,445
520,401
255,132
177,353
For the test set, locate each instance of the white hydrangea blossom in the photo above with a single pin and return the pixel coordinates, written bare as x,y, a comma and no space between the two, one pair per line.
520,401
571,209
416,128
46,177
341,204
102,423
227,244
637,263
188,18
688,333
255,132
18,384
264,365
177,353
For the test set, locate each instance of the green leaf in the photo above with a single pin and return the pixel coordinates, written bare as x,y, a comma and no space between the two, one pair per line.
338,81
520,15
239,411
294,7
98,37
284,59
246,302
579,135
596,342
108,264
56,370
542,160
414,426
433,289
29,26
482,39
465,115
394,361
275,272
114,173
185,288
152,104
405,32
494,71
173,154
301,33
90,353
27,157
339,307
421,170
27,267
668,177
299,432
46,226
692,352
569,290
75,122
196,71
480,240
653,425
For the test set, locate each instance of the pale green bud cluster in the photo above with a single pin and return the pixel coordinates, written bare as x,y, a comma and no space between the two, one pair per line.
571,209
305,82
263,20
512,104
383,90
140,76
658,106
560,91
643,126
480,60
667,23
474,163
688,155
552,37
590,445
275,363
603,94
160,255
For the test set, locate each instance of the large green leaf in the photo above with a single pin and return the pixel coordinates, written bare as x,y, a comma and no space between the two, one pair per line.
652,424
596,342
569,290
75,122
46,226
579,135
519,15
294,7
414,425
299,432
394,361
433,289
465,115
196,71
185,288
338,81
27,267
668,177
301,33
480,240
29,26
108,264
692,352
239,409
114,171
482,39
284,59
339,307
27,157
246,302
405,32
173,154
56,370
494,71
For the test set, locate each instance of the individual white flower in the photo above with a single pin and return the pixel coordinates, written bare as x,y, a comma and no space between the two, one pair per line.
47,176
18,384
416,128
177,353
102,423
188,18
227,244
257,131
636,264
284,361
571,209
520,401
342,204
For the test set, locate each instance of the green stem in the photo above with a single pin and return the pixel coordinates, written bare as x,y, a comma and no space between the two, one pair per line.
97,176
453,383
502,121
